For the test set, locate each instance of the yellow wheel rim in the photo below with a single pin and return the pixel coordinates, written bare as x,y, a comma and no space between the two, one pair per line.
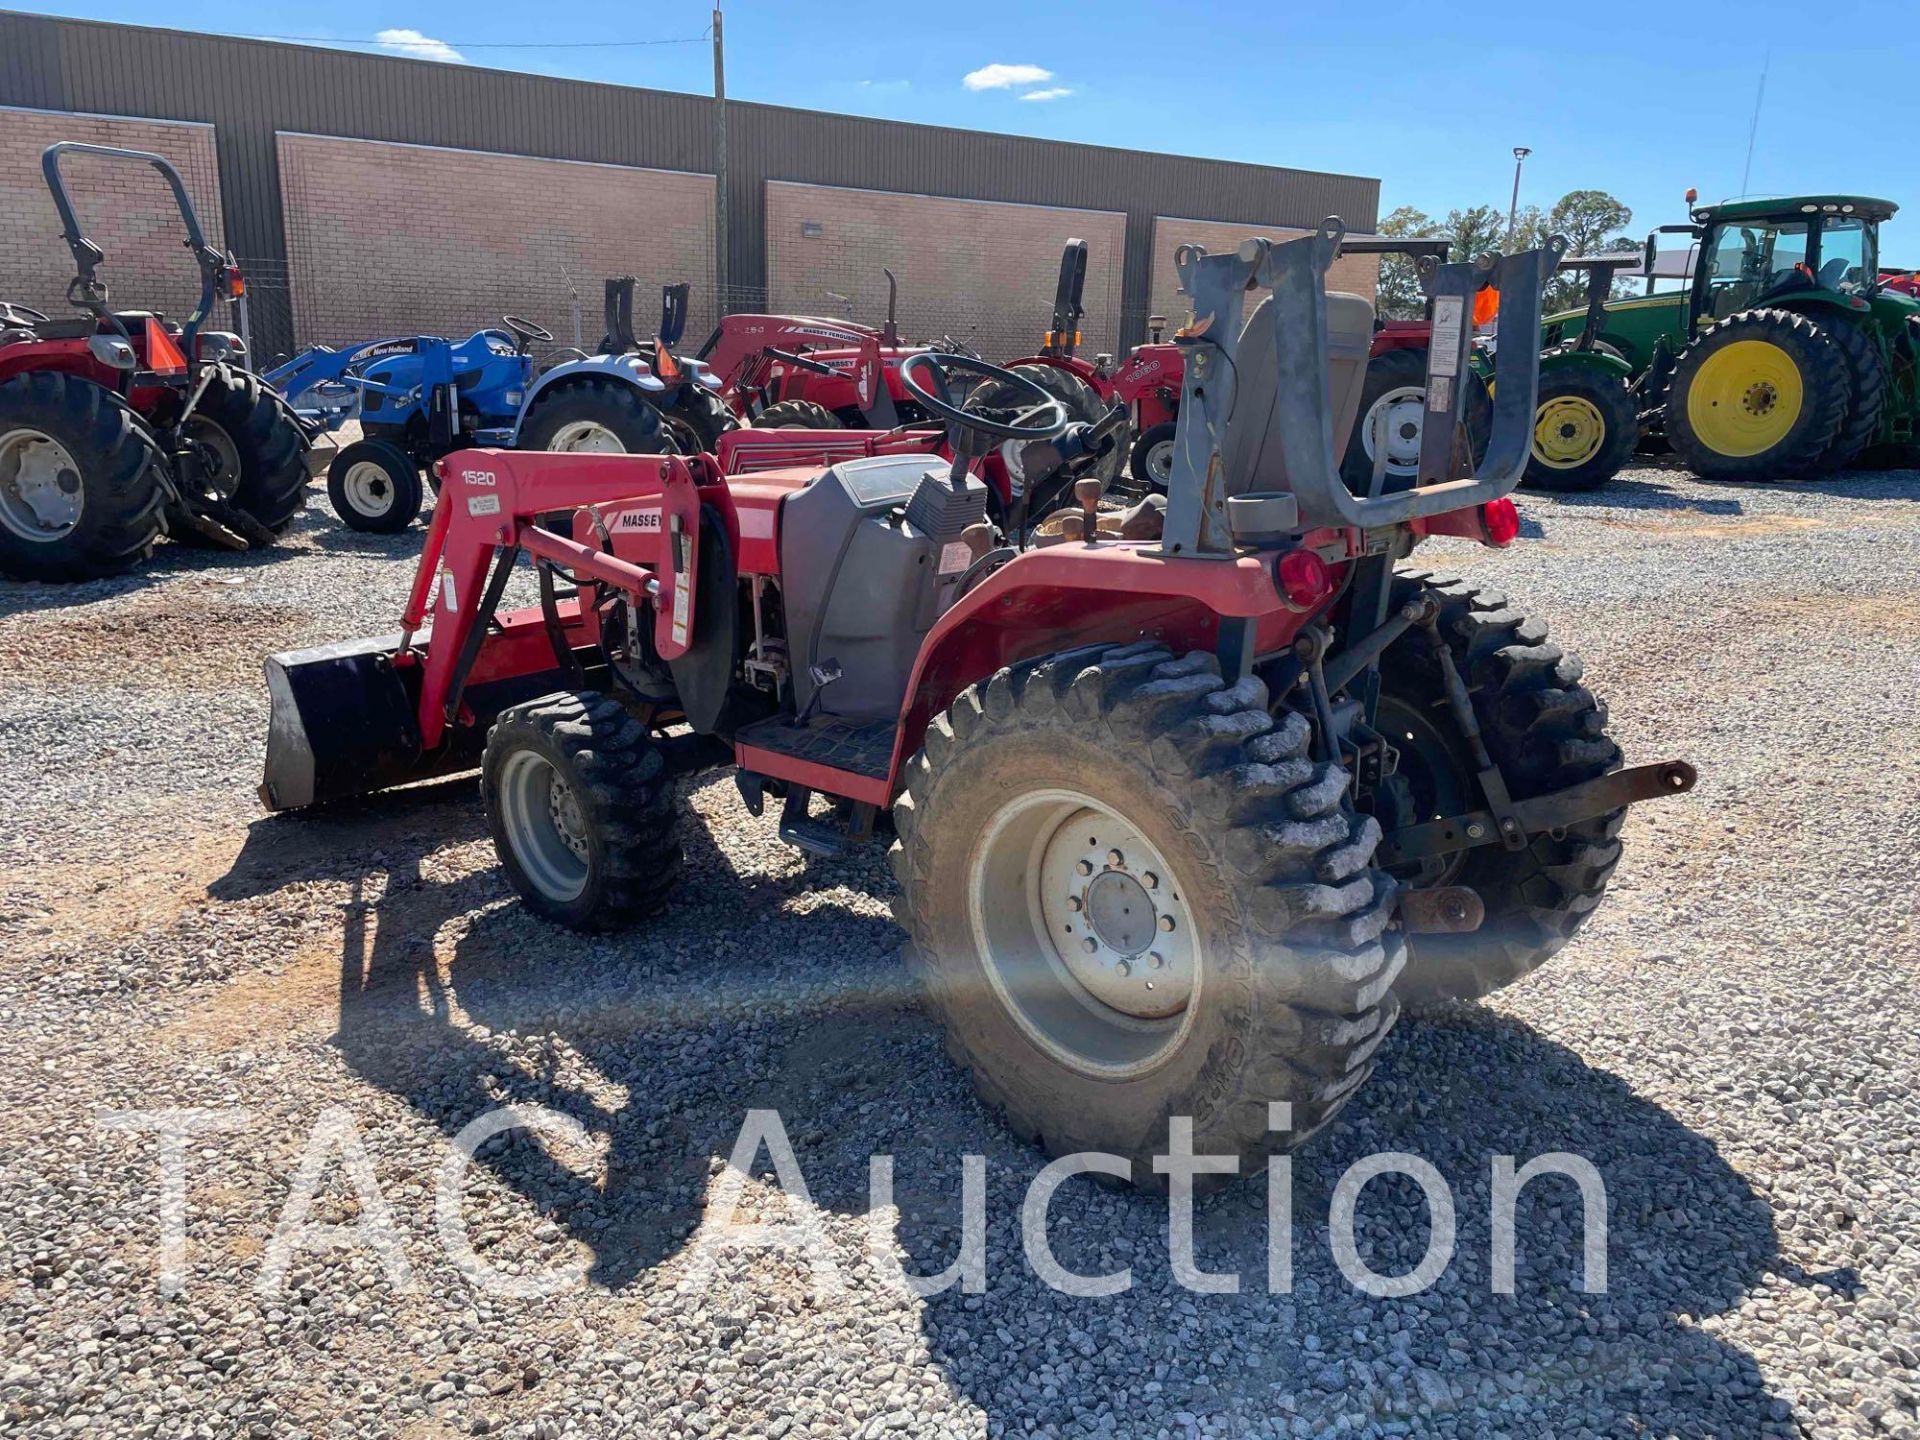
1745,399
1568,431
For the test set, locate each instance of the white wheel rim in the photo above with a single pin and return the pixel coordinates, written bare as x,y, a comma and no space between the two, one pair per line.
1082,930
1402,410
1160,462
369,489
545,826
220,456
589,436
42,493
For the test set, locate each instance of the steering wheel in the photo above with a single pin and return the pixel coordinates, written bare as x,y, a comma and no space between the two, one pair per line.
938,399
525,330
16,314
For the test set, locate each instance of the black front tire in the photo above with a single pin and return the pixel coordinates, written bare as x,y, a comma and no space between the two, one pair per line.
1152,452
121,479
375,487
797,415
1395,376
699,418
1292,956
1545,731
605,851
1601,398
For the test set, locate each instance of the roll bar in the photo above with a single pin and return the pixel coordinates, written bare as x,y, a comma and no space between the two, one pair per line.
1301,419
86,291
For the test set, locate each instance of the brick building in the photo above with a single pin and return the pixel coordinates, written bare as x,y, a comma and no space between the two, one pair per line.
371,194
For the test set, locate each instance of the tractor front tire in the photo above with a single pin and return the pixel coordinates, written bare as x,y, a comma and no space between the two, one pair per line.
1584,430
1152,460
603,416
272,449
797,415
375,487
1763,395
81,481
1132,895
1395,393
698,418
1545,731
582,810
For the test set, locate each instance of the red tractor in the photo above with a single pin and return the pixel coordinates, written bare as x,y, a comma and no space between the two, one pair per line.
119,427
1175,820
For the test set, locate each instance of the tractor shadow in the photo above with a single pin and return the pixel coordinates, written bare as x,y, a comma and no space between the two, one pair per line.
781,990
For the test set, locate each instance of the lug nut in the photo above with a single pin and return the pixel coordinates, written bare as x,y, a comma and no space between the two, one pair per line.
1150,880
1166,923
1085,867
1156,960
1076,904
1089,944
1124,968
1116,859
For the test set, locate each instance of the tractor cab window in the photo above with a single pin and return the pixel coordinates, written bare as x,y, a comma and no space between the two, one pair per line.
1748,260
1847,259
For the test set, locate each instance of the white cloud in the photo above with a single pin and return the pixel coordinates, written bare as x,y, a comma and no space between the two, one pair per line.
420,47
1004,77
1059,92
886,85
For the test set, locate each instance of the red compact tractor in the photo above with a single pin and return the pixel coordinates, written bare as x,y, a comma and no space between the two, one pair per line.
1175,820
118,427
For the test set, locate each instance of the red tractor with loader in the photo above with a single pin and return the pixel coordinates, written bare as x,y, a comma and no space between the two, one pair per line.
119,427
1176,820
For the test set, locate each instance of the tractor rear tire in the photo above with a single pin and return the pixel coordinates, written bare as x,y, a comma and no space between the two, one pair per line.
1081,402
118,475
797,415
1545,731
1397,379
1761,396
1216,847
374,487
1869,375
582,810
698,417
1584,430
272,449
603,416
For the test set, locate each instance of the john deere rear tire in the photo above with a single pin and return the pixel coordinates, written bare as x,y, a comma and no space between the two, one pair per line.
1869,376
582,810
797,415
596,416
1078,817
81,481
1760,396
1546,731
272,449
1584,430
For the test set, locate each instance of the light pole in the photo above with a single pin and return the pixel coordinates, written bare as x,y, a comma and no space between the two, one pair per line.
1520,153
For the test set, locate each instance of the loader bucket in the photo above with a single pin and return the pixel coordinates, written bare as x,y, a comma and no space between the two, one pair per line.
343,723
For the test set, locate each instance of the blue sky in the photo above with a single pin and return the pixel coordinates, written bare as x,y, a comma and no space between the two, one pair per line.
1642,101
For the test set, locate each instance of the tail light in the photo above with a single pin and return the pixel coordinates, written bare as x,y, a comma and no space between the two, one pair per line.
1486,305
1502,521
236,283
1303,579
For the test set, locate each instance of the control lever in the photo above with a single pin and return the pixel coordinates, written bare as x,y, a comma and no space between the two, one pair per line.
1088,493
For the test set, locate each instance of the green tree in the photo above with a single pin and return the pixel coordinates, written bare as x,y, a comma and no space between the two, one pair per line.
1399,296
1593,222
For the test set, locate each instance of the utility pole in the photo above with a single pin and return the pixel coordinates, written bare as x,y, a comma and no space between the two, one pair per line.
721,276
1520,153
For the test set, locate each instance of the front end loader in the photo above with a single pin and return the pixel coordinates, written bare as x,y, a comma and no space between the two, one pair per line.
1176,819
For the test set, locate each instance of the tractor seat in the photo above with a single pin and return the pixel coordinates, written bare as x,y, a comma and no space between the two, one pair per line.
81,326
1251,454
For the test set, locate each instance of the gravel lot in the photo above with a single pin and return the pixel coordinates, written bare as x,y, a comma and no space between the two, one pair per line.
1731,1042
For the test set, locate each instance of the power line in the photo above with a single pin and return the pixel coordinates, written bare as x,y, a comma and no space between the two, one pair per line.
699,39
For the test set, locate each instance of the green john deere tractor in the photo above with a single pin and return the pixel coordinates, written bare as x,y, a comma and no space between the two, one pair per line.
1784,355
